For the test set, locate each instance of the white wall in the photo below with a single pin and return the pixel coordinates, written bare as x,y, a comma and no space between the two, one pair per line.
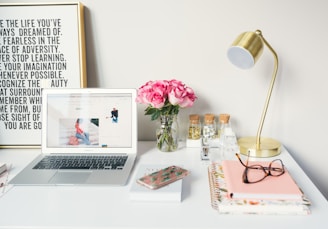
132,41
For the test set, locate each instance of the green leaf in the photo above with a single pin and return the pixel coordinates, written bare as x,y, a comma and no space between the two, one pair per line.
155,115
167,109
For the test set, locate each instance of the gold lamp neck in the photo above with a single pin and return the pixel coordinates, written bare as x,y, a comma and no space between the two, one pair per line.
274,75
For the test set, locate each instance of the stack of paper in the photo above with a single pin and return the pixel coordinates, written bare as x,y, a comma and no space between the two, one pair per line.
273,195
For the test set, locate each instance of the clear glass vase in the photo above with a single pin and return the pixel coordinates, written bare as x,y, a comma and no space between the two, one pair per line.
167,133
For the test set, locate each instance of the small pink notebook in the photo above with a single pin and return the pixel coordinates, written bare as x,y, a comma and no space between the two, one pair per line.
280,188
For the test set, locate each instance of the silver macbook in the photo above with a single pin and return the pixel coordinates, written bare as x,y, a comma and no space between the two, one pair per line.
89,136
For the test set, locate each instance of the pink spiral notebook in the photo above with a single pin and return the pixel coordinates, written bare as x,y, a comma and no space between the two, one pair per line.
282,187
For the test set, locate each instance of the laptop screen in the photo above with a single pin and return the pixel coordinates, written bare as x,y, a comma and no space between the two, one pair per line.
84,119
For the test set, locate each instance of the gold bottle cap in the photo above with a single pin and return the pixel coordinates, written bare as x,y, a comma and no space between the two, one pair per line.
194,118
209,118
224,118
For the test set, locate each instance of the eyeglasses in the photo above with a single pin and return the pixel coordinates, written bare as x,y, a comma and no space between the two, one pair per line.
256,173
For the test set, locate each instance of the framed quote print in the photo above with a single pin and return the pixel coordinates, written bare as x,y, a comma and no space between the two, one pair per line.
42,45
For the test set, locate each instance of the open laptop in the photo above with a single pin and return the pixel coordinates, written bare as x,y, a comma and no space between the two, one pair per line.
84,122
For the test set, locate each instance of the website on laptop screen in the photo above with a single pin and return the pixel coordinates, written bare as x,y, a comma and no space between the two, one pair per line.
89,120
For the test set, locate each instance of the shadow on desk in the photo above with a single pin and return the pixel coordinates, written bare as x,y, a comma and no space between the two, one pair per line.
186,186
150,145
144,148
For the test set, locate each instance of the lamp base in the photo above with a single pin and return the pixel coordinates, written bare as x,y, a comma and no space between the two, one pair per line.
268,147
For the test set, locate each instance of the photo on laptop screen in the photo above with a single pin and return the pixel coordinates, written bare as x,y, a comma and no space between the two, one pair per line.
81,120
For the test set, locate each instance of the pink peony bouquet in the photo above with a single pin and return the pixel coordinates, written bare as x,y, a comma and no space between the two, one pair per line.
165,97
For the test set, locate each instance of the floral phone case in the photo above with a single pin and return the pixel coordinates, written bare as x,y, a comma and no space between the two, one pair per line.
163,177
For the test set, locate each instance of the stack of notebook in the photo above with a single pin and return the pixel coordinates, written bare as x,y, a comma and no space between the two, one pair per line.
274,195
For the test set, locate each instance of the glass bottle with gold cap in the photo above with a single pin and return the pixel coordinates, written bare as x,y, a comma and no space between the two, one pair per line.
223,124
209,126
195,130
208,135
227,138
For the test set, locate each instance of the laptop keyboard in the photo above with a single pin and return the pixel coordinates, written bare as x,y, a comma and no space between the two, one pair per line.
82,162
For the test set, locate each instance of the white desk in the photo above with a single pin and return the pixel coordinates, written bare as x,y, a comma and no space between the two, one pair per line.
110,207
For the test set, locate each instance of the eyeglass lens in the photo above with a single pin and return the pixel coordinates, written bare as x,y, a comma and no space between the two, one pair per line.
256,173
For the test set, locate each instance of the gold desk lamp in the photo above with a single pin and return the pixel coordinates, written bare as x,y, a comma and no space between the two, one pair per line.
244,52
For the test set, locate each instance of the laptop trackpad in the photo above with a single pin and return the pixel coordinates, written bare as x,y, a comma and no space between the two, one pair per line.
70,177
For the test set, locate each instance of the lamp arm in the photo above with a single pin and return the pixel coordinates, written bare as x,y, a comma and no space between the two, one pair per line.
274,74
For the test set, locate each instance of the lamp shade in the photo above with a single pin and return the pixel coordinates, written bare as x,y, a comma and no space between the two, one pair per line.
245,50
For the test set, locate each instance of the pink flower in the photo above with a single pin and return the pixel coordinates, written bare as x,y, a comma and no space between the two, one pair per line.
144,92
176,92
153,93
158,94
189,98
181,95
165,97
